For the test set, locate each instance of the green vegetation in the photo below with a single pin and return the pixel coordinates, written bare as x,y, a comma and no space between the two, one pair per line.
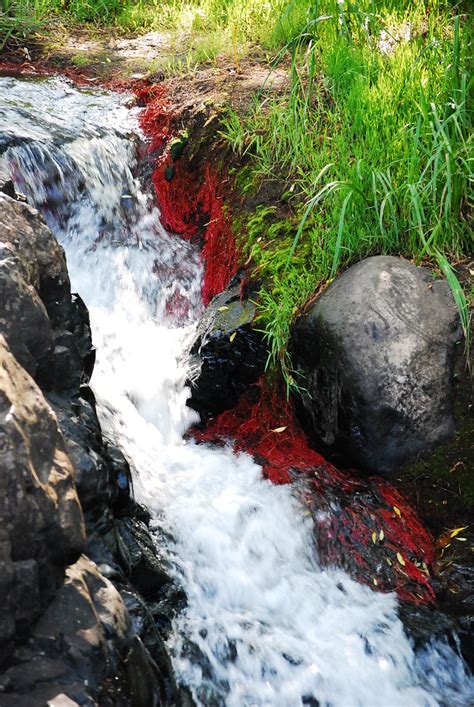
370,148
374,144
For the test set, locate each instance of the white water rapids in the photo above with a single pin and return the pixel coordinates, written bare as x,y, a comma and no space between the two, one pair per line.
275,628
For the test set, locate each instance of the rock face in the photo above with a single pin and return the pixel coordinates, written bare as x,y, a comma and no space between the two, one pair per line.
228,353
66,633
375,356
41,524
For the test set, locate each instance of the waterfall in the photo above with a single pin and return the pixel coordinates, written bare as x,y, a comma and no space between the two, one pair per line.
271,626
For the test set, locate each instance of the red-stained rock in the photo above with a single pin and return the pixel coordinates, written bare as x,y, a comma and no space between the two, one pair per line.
190,198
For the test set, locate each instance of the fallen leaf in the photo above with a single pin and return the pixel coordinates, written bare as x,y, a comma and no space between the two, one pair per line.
389,562
374,537
456,531
397,511
381,535
461,540
400,559
375,582
223,308
279,429
232,336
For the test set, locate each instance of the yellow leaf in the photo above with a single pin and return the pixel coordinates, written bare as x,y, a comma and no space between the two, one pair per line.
381,535
375,582
397,511
461,540
279,429
223,308
400,559
456,531
232,336
389,562
374,537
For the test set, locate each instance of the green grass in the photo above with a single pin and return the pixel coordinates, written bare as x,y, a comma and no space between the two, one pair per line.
376,146
208,26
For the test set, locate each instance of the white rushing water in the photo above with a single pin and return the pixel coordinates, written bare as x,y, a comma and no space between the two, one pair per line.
274,628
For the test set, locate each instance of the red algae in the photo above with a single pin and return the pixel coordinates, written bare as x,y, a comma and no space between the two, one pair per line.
361,524
191,200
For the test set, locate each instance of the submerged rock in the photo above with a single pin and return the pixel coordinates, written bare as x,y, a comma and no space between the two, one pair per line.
375,356
228,353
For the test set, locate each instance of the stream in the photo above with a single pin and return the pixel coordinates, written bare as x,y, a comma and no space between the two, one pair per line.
274,628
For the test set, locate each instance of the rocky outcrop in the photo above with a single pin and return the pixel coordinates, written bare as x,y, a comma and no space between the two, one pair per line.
67,634
46,329
227,354
83,650
41,524
375,355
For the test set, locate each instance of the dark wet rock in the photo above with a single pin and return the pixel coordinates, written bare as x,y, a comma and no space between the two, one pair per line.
145,627
71,640
120,477
375,356
41,525
139,555
84,647
80,427
23,318
456,591
228,353
46,329
6,184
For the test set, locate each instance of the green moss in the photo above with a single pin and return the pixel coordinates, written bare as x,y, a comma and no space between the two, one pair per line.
82,60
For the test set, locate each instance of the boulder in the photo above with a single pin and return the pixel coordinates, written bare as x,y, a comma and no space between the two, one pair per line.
41,525
83,650
374,356
228,352
46,328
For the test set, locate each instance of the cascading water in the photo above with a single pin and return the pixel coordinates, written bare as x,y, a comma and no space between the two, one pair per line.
272,627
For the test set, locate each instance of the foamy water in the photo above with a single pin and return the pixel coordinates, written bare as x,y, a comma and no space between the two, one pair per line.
273,627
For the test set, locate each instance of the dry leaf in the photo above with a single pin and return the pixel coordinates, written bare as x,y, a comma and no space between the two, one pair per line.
374,537
389,562
223,308
279,429
381,535
456,531
400,559
397,511
375,582
232,336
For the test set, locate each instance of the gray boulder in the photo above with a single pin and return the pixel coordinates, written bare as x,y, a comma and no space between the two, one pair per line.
375,355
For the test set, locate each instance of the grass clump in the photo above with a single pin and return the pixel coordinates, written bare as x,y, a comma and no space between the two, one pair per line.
375,140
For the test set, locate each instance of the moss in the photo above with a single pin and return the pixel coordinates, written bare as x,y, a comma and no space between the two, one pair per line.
81,60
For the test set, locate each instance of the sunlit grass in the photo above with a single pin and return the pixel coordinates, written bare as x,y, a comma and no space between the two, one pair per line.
376,143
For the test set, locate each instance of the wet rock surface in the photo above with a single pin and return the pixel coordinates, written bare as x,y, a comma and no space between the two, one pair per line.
375,355
228,353
65,630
